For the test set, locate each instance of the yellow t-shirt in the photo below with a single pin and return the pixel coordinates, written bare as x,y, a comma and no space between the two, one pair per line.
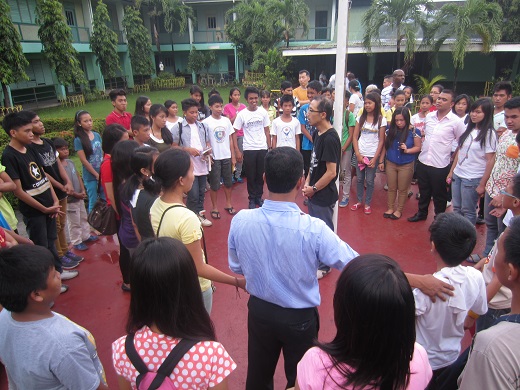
6,209
179,223
300,94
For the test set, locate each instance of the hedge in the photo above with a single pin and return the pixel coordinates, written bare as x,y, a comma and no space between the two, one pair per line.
60,127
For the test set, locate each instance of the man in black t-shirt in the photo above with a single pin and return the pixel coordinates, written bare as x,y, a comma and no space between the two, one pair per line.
38,202
320,184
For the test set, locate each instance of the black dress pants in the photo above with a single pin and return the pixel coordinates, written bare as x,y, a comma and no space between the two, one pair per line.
271,329
432,183
254,167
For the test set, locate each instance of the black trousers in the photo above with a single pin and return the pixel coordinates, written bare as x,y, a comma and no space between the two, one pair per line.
306,154
42,231
271,329
432,183
254,167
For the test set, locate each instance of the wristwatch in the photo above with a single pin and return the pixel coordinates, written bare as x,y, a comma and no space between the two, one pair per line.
314,188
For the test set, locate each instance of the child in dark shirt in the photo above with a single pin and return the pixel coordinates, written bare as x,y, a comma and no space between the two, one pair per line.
39,204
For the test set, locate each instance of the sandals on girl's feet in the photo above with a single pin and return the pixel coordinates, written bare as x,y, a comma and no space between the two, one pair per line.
474,258
215,215
356,206
230,210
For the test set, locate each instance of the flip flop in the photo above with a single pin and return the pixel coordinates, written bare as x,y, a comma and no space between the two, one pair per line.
215,215
474,258
230,210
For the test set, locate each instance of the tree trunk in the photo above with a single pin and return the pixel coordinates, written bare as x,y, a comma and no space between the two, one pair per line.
7,103
398,44
456,76
173,55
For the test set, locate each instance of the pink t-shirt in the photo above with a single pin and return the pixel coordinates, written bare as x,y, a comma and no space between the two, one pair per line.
231,112
314,371
205,365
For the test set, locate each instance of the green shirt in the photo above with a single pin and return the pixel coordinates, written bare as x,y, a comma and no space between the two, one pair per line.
345,133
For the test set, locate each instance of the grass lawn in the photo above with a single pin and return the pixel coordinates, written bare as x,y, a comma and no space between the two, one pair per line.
101,108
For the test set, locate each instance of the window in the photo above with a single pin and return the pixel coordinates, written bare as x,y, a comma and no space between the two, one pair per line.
212,22
71,19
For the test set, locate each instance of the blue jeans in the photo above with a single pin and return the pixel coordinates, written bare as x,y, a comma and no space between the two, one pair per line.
494,225
465,197
91,187
195,201
370,175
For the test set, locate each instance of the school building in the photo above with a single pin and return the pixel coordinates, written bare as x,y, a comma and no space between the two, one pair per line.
315,50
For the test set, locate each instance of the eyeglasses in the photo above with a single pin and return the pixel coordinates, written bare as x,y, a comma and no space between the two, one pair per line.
504,192
311,110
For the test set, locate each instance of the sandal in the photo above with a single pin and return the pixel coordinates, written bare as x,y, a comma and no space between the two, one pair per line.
215,215
230,210
474,258
356,206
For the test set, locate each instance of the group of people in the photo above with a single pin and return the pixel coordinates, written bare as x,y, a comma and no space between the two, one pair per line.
148,165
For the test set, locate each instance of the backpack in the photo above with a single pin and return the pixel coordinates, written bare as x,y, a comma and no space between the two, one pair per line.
160,380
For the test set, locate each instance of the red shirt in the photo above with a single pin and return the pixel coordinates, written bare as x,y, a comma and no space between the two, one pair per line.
106,173
123,120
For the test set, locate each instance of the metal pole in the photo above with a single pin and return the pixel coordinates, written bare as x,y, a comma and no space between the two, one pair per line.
341,65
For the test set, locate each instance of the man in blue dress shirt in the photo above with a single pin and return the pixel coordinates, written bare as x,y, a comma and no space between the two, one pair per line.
278,249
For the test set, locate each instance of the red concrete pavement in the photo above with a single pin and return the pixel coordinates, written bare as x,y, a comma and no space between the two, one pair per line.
95,299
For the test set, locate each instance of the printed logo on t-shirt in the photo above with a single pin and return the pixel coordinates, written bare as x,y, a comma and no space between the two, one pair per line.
34,171
255,123
220,134
49,158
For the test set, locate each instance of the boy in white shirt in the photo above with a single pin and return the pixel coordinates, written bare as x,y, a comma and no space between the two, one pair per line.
440,325
286,129
223,142
257,139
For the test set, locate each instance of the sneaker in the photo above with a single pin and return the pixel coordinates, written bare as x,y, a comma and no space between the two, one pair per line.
66,275
68,263
322,272
385,187
74,257
92,238
203,220
344,202
81,246
448,204
368,210
240,180
64,288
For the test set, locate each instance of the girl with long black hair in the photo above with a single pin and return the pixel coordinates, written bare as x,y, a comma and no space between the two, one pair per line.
160,137
87,144
374,346
473,160
166,307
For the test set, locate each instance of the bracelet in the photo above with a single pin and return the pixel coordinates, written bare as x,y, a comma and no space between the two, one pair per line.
473,315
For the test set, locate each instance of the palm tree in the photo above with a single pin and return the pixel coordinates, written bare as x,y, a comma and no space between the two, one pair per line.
175,13
404,18
460,24
295,13
425,85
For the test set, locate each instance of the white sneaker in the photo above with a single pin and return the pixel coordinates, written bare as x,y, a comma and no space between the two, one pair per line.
321,273
203,220
448,204
66,275
64,288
